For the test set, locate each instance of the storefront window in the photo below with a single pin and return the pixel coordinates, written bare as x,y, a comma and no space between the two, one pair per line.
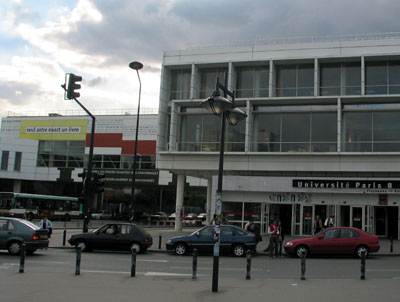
233,211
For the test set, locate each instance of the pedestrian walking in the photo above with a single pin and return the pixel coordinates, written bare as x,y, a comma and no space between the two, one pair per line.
273,246
46,224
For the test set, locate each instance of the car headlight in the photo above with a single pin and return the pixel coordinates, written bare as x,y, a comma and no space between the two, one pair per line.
289,243
169,241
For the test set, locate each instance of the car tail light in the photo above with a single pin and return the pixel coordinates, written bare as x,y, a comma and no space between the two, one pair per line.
146,240
35,236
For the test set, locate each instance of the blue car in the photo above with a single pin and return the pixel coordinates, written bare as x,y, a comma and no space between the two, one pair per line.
233,240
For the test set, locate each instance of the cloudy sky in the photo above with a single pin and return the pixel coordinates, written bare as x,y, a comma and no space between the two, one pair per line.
41,40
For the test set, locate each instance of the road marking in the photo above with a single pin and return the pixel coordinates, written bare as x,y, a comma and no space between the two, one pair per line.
152,274
104,272
210,268
168,274
47,262
383,270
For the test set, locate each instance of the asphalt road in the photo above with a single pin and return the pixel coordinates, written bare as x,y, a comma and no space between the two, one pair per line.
50,276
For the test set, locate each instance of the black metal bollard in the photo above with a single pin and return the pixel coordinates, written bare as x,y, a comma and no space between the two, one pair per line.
391,244
303,265
22,258
194,271
248,267
133,266
363,254
64,236
159,241
78,261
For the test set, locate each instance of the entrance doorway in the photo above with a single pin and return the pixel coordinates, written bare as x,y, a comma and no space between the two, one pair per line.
282,212
386,222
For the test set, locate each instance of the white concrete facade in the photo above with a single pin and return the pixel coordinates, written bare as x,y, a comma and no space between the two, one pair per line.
257,178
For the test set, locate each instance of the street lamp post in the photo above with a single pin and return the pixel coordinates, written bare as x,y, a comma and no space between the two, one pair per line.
136,66
221,106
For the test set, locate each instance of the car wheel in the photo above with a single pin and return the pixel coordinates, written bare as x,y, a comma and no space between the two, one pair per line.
180,248
14,248
136,246
82,245
300,250
239,250
360,250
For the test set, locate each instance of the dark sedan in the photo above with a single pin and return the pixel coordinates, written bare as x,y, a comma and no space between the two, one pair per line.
335,241
233,240
114,236
15,231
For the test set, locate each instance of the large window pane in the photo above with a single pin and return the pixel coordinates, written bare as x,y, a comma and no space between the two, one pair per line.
235,137
180,84
324,127
261,81
190,137
208,79
351,74
357,131
244,82
376,77
286,80
267,132
211,133
305,80
330,79
17,161
295,127
4,160
386,126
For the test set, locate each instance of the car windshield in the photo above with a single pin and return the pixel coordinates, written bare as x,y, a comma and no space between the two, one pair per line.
29,224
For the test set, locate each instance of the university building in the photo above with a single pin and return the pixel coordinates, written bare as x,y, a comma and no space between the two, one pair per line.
322,136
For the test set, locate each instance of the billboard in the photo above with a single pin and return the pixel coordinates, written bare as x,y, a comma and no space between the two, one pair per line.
53,129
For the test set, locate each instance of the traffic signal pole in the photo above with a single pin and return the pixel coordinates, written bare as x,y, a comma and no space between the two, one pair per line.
89,188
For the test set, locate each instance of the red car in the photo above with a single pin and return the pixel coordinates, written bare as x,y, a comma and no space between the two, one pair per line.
336,240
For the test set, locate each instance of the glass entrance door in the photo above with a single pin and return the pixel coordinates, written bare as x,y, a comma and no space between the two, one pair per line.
381,221
357,215
307,220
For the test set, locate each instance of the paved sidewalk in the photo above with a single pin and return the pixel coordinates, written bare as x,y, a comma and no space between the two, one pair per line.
56,241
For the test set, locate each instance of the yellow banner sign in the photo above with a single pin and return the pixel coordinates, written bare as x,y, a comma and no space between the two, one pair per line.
54,129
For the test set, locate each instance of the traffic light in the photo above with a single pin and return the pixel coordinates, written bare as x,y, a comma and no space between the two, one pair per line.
99,181
72,85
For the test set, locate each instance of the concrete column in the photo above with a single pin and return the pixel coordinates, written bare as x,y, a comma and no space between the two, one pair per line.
180,186
173,127
209,197
249,127
362,75
316,77
339,125
272,81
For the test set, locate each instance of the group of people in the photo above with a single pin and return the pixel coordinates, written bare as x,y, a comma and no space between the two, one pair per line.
275,233
319,225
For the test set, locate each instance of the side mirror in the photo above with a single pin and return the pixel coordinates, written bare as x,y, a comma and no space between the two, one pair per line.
198,234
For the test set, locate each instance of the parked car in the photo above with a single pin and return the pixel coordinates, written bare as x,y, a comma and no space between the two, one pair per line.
172,216
202,216
159,216
336,240
233,240
102,215
191,216
114,236
15,231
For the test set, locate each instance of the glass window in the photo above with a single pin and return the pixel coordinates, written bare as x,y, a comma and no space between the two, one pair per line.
226,231
335,233
295,80
357,131
340,78
4,160
208,79
252,81
211,135
324,132
180,84
17,161
267,132
61,153
190,134
235,137
207,231
295,132
376,77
